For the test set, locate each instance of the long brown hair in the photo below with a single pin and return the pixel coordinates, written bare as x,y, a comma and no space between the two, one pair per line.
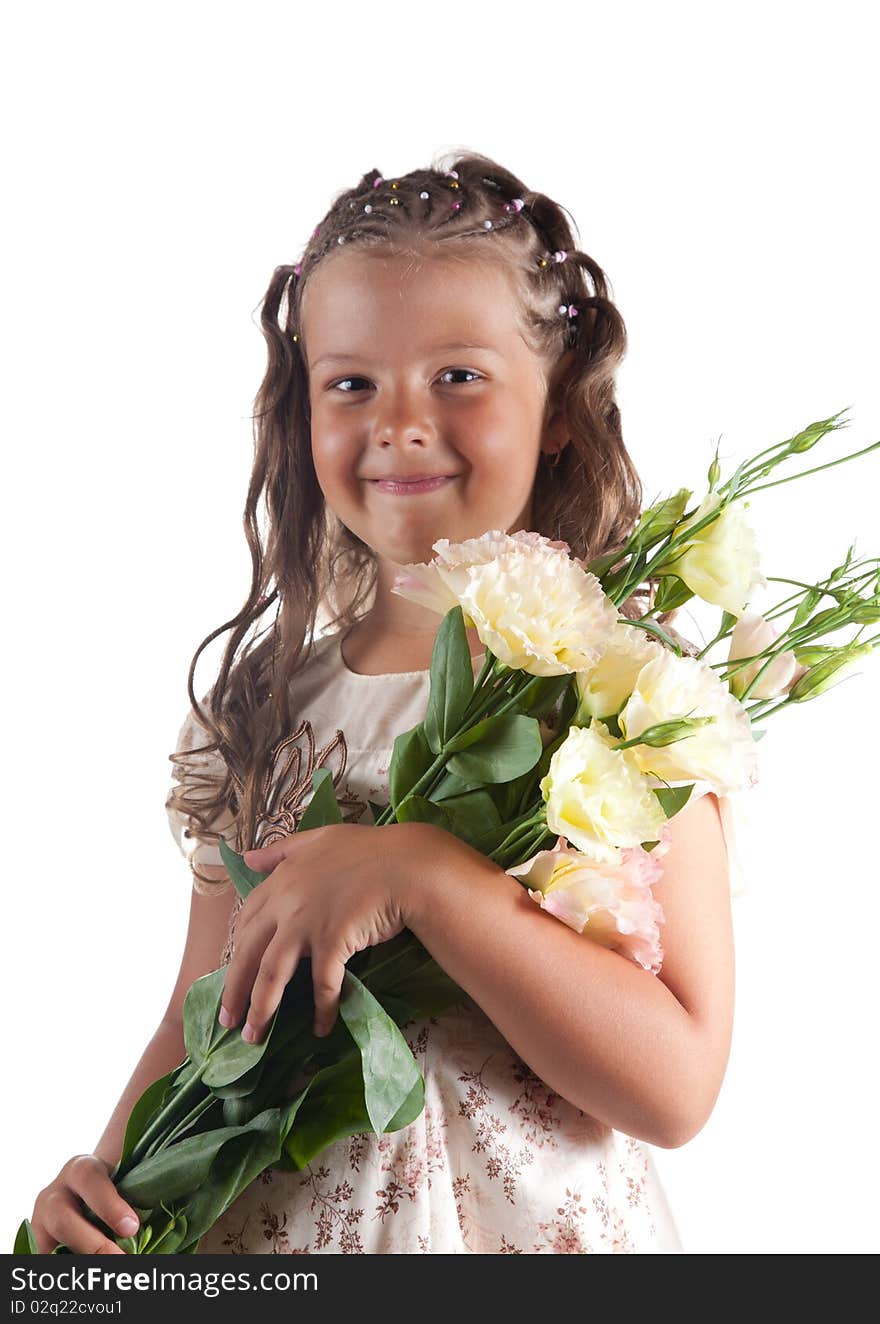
314,570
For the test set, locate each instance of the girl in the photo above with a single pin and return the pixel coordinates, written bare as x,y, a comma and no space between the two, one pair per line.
441,363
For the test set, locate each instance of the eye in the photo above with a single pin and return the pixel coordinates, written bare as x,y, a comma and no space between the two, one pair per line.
466,371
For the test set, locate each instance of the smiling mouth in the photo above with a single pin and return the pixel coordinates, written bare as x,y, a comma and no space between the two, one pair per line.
399,487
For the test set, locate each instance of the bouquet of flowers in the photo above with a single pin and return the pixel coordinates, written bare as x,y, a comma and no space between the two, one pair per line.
637,721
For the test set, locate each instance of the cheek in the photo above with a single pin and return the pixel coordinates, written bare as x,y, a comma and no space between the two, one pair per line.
333,457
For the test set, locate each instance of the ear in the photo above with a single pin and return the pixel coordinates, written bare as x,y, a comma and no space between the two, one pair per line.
556,432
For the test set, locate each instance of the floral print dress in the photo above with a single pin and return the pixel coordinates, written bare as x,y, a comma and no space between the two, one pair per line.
497,1163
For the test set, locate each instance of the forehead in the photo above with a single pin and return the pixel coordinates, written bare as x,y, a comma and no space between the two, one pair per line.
365,302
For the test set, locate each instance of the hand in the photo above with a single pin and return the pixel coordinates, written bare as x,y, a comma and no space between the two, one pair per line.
330,892
58,1217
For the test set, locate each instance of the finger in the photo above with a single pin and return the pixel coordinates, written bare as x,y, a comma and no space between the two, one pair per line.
328,972
242,970
45,1243
264,859
250,909
276,970
68,1226
89,1177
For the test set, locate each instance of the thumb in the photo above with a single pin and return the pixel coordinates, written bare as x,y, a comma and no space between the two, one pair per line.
265,858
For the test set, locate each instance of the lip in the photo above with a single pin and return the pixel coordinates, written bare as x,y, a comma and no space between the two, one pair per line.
410,486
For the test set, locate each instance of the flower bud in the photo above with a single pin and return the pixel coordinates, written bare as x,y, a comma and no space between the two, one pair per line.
819,678
866,615
714,473
805,440
658,520
667,733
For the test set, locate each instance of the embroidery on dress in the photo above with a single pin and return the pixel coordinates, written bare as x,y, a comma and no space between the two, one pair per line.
286,793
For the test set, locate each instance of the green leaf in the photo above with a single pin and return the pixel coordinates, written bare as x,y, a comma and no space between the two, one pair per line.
239,1162
323,807
410,760
651,627
509,746
540,695
235,1058
336,1108
389,1068
489,841
452,681
376,809
416,809
671,592
673,798
450,785
244,880
242,1085
471,815
142,1113
25,1241
184,1166
200,1010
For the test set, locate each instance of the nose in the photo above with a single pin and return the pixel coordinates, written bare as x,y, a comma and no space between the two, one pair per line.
403,417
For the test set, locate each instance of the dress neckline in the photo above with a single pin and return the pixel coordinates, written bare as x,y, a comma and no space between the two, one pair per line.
346,670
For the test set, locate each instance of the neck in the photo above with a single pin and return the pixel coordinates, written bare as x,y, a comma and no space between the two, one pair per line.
397,623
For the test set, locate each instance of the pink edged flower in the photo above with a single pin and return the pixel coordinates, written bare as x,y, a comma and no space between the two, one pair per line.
531,603
610,903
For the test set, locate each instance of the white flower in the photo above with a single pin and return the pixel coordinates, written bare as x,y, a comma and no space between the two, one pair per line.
532,604
597,798
720,563
612,904
722,753
604,689
751,635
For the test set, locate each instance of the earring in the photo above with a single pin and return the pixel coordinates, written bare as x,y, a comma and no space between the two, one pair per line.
552,458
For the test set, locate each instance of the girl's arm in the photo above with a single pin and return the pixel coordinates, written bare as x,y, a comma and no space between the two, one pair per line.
645,1054
208,926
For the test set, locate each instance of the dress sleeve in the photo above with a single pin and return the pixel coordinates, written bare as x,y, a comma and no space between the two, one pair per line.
202,856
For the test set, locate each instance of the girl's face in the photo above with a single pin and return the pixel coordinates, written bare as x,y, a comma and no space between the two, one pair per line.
420,370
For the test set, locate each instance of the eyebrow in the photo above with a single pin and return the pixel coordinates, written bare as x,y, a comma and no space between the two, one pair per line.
437,349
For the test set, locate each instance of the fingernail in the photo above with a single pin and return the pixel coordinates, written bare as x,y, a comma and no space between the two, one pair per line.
248,1034
224,1018
128,1225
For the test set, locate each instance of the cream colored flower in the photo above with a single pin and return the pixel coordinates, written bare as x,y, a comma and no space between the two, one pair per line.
603,690
597,798
720,563
612,904
723,753
531,603
751,635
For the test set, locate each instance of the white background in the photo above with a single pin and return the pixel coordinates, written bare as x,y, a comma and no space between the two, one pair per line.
164,158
